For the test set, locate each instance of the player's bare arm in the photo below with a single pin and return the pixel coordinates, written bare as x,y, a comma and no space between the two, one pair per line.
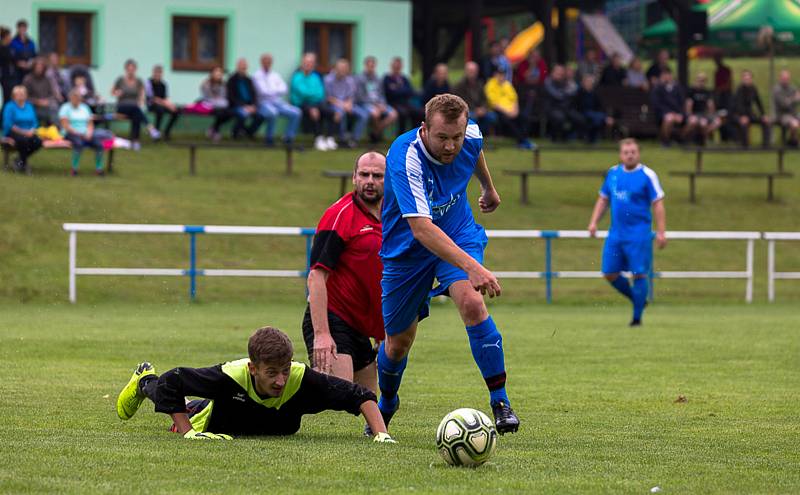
600,207
489,199
660,215
372,415
437,242
324,346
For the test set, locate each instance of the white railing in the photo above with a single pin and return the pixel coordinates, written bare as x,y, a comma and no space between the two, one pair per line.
192,271
548,235
772,275
549,274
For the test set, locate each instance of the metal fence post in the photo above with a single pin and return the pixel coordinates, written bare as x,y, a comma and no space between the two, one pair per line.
650,276
748,294
771,270
548,266
73,248
192,265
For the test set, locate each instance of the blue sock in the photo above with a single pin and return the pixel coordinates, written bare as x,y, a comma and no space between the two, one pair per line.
487,350
390,374
621,284
640,287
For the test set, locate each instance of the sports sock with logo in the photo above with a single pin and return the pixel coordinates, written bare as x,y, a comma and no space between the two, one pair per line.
487,350
390,374
623,286
147,385
76,158
640,287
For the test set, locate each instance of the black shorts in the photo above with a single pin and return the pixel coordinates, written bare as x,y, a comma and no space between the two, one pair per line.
348,340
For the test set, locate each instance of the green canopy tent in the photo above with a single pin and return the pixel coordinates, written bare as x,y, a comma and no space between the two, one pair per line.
735,25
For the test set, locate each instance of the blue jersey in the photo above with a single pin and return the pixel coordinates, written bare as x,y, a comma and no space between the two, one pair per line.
418,185
630,195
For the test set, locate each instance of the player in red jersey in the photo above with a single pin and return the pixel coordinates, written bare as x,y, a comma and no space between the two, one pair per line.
344,292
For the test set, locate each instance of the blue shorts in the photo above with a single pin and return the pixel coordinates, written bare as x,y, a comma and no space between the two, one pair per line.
407,286
633,255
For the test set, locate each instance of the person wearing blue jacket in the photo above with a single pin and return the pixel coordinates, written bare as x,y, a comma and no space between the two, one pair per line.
19,124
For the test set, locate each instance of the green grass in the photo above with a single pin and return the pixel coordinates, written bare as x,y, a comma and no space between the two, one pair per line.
596,400
250,188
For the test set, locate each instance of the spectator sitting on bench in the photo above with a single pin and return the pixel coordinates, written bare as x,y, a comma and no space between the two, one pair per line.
437,84
702,118
491,61
76,120
532,71
372,101
271,90
41,93
242,101
660,64
590,106
502,99
129,92
470,89
785,97
213,94
668,105
19,124
614,73
399,94
307,91
158,101
80,78
745,98
589,64
340,90
562,115
634,77
58,77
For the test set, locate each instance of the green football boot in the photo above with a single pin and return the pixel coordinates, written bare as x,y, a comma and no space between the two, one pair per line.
131,397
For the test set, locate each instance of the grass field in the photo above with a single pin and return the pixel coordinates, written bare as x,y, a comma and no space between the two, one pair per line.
597,401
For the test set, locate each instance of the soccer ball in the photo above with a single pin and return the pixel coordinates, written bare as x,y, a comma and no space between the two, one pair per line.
466,437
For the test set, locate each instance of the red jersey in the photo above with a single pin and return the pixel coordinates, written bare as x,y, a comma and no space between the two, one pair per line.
346,245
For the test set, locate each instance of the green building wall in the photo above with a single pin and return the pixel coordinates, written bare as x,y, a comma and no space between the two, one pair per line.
142,30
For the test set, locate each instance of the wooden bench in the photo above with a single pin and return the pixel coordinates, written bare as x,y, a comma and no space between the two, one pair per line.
524,174
343,175
7,145
700,151
193,147
770,176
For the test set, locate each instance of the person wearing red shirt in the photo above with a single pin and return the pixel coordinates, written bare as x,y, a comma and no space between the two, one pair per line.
344,283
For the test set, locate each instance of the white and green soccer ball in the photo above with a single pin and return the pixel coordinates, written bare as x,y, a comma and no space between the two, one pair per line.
466,437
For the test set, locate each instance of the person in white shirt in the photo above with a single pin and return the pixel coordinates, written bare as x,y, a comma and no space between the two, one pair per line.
271,90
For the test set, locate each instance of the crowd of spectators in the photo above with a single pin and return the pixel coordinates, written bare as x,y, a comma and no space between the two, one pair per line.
341,108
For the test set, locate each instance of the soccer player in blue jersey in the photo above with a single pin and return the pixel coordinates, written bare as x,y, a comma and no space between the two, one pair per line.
429,233
630,189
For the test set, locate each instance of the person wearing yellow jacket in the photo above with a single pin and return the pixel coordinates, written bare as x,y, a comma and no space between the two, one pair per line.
502,99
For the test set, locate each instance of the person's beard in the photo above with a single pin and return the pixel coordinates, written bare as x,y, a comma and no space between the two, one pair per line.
370,201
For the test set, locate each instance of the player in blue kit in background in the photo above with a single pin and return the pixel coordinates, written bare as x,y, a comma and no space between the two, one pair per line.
429,233
630,189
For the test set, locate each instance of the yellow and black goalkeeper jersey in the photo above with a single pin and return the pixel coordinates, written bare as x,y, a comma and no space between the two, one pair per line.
235,408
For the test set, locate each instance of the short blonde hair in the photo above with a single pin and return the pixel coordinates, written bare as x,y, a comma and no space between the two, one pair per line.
451,107
19,89
627,141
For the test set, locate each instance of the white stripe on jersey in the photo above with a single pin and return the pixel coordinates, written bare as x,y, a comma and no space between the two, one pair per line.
414,176
651,174
473,132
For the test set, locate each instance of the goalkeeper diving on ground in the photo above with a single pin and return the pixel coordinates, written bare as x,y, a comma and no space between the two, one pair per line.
265,394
